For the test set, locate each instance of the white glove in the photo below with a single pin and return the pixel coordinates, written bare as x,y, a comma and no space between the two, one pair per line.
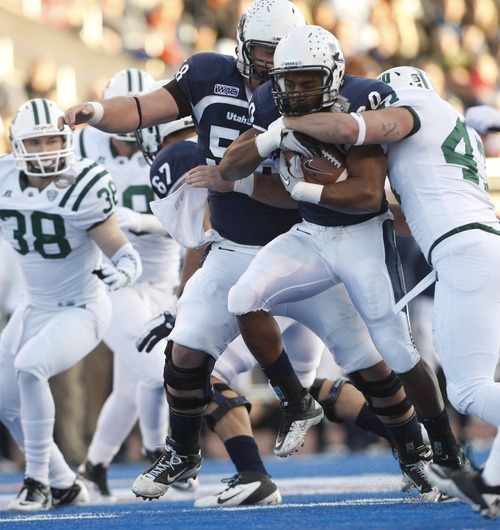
291,172
292,176
269,141
483,118
113,278
298,143
128,219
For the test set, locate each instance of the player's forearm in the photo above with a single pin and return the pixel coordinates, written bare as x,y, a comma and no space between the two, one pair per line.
370,127
241,158
354,196
269,190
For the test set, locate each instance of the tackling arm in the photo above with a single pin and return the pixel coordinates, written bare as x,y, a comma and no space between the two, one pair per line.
382,126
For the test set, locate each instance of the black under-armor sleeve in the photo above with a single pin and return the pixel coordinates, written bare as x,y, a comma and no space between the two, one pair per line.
180,98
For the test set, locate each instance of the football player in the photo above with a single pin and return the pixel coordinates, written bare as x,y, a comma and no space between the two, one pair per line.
437,169
137,392
215,89
57,213
228,413
347,236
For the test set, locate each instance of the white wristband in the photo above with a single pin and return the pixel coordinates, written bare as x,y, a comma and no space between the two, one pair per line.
98,112
362,127
307,192
244,185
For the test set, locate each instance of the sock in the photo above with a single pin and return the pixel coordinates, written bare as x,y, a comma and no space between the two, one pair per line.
443,442
367,421
284,381
185,432
407,437
244,453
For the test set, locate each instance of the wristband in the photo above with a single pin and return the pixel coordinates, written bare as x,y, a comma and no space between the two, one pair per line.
362,127
269,141
98,112
307,192
244,185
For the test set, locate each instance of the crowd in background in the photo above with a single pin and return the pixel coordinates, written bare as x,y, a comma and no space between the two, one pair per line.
456,41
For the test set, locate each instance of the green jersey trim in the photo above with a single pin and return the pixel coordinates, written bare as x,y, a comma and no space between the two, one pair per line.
87,188
82,175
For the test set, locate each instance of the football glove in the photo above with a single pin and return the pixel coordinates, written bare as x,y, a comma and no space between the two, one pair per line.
155,330
299,143
291,172
112,277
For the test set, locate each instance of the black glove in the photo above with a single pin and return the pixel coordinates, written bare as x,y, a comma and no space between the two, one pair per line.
155,330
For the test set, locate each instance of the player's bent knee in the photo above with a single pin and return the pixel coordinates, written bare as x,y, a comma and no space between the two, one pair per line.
224,404
182,379
329,402
242,298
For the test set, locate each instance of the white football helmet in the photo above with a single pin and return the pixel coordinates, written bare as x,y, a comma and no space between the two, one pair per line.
264,23
150,139
34,119
305,49
128,82
405,76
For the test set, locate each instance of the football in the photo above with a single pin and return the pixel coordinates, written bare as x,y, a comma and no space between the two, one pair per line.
326,166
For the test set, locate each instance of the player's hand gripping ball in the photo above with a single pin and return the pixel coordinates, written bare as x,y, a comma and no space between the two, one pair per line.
321,163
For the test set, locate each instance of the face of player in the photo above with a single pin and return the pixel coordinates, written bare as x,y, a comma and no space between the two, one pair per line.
262,59
304,90
41,145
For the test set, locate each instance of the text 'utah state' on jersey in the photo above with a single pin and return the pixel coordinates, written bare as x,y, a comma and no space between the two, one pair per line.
209,86
357,94
48,228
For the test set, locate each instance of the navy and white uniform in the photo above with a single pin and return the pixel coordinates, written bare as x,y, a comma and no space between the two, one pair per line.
211,88
330,248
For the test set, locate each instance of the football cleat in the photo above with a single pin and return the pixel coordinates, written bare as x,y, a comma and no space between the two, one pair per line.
95,477
76,495
415,473
468,487
296,420
245,488
191,484
457,461
170,467
33,497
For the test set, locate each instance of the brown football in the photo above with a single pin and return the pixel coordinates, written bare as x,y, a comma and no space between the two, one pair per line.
327,168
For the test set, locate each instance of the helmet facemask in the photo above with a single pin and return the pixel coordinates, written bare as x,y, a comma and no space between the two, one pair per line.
305,50
37,119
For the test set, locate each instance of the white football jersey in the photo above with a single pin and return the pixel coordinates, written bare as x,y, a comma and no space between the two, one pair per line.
48,228
160,255
438,175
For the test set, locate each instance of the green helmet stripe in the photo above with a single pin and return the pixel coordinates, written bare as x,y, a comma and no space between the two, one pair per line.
35,113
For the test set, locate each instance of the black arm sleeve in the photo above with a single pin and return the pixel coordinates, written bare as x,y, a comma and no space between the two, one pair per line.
180,98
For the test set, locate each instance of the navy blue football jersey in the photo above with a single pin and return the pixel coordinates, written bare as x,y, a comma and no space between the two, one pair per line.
356,95
170,165
219,101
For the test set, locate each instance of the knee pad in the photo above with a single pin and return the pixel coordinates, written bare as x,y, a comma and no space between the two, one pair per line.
225,404
328,403
197,378
384,388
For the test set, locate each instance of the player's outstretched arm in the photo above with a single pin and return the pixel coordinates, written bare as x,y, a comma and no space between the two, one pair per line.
123,114
370,127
